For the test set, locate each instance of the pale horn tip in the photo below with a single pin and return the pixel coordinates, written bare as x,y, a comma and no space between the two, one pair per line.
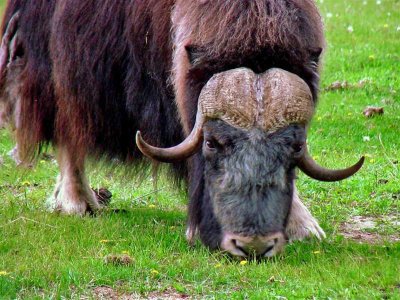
314,170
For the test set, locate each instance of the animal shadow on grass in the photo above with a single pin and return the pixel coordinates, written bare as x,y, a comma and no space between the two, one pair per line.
144,215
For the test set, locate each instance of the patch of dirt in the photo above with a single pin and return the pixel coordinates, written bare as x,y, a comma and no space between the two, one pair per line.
371,111
366,229
118,259
104,292
168,294
108,293
342,85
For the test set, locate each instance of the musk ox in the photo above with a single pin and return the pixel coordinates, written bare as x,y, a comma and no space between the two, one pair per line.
223,90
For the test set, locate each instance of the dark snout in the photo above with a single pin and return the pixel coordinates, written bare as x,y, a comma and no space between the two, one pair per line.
250,246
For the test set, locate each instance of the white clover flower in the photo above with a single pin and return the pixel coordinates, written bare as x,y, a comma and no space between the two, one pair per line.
366,138
329,15
378,2
350,29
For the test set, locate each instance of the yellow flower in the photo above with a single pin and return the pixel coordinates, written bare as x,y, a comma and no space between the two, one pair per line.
26,183
154,272
3,273
317,252
42,161
386,26
372,160
218,266
104,241
243,262
152,206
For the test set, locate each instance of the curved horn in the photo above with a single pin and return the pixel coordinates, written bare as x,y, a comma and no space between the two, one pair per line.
309,166
226,96
179,152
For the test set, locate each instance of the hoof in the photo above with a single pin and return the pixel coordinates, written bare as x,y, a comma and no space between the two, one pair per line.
308,228
68,207
301,223
13,153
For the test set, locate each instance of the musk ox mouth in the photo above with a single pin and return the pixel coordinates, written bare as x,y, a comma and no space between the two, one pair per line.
243,99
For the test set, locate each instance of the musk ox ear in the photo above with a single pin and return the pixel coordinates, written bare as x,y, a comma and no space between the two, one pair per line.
16,48
315,54
194,53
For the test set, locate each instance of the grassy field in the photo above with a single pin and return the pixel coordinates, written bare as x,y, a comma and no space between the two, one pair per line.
43,255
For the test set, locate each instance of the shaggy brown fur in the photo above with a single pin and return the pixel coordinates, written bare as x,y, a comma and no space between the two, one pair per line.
252,25
120,82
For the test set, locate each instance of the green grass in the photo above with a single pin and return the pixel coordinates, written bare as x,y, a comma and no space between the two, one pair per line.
43,255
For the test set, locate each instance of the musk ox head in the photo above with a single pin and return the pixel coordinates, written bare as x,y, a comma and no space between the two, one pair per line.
252,128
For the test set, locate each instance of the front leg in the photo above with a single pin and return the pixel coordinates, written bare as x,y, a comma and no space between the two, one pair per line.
72,194
301,223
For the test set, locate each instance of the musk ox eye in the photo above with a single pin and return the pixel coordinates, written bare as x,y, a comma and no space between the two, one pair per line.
298,148
211,145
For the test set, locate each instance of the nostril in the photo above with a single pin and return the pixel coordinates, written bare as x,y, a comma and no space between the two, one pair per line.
240,247
268,249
